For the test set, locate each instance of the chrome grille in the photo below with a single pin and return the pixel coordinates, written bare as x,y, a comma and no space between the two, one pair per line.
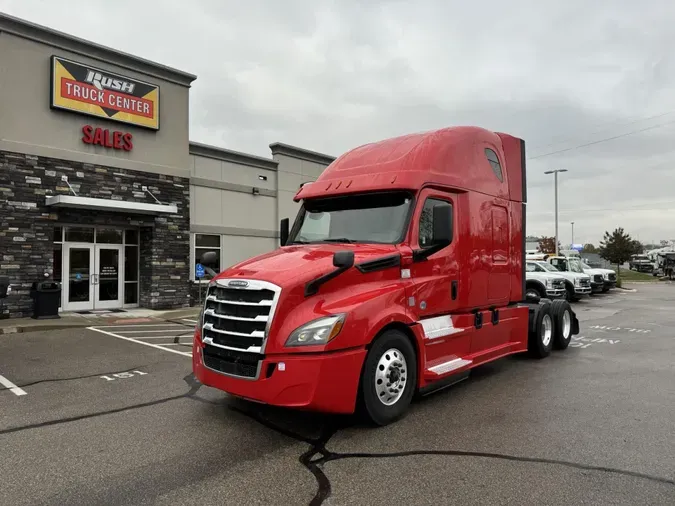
597,278
585,282
237,317
612,276
558,284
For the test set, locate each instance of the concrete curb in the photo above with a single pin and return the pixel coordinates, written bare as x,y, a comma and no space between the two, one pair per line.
31,325
21,329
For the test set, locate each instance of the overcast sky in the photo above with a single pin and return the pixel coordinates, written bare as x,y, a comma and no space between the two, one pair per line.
330,75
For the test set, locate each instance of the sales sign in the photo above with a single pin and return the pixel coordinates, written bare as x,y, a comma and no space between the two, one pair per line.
96,92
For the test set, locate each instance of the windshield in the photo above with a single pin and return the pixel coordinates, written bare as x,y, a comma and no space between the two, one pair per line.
371,218
575,265
547,267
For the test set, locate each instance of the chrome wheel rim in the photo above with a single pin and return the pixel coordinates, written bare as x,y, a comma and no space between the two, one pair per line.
546,330
391,376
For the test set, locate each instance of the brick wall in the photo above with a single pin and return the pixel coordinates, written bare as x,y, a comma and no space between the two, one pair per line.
27,224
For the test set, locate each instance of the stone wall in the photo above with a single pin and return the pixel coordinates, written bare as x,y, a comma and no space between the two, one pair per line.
27,224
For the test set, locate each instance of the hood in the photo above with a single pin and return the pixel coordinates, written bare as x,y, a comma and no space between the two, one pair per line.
292,265
545,275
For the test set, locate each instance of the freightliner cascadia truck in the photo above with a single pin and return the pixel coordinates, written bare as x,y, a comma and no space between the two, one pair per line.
404,270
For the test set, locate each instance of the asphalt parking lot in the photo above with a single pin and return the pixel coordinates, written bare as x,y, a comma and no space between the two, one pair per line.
112,415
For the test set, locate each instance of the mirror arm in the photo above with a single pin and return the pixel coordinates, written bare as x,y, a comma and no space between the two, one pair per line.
210,271
422,254
312,287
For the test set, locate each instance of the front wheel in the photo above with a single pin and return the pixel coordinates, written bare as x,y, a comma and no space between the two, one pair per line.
389,378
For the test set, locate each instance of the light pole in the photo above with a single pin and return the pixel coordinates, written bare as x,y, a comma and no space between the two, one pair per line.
572,234
555,177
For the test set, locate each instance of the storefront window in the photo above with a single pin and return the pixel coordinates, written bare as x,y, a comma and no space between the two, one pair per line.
79,234
108,236
131,236
203,244
131,274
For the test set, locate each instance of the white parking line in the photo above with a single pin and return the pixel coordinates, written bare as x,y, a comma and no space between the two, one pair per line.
157,346
140,325
164,337
180,329
11,386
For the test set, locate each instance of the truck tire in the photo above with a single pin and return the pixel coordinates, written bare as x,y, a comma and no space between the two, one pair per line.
562,324
540,339
389,378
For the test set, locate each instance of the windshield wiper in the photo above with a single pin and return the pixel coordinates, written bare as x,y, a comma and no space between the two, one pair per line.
297,242
338,239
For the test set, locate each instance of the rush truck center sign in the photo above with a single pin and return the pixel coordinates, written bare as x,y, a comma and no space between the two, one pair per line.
95,92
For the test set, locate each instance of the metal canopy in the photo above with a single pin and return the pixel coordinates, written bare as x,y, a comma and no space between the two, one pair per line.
109,205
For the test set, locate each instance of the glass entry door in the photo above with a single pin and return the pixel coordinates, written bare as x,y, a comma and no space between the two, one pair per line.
92,277
78,273
108,282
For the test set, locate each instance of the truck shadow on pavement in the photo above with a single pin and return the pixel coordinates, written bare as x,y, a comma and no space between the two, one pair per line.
318,430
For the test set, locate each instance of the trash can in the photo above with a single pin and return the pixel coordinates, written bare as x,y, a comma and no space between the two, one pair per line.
45,295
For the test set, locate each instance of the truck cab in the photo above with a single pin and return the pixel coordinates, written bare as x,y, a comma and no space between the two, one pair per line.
403,270
543,283
578,283
641,263
601,279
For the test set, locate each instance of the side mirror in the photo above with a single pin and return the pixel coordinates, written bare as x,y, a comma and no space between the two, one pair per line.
343,259
209,257
442,227
283,231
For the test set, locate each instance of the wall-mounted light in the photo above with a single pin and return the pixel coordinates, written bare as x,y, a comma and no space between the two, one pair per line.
262,178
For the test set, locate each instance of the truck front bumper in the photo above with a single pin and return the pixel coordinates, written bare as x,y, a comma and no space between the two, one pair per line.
555,294
326,382
597,287
609,284
578,290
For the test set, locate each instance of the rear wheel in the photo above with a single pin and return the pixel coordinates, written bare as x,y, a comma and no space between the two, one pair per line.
562,324
389,378
540,340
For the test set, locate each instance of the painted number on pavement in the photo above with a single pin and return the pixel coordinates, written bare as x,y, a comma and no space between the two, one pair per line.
625,329
586,342
124,375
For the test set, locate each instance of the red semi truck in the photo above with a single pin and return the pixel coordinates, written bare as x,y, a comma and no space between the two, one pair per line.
404,269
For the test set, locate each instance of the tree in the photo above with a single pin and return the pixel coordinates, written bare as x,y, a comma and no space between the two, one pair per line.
618,247
547,245
589,248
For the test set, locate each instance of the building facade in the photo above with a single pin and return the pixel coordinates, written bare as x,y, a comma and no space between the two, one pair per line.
101,189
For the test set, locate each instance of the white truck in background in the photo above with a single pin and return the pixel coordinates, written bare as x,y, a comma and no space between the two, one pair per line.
543,283
577,283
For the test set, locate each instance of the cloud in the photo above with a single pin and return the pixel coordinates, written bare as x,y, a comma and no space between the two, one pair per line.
329,75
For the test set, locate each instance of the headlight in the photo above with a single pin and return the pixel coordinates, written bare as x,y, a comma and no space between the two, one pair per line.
549,283
577,282
319,331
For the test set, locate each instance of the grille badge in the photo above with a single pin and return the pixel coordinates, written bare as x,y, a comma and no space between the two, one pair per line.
236,283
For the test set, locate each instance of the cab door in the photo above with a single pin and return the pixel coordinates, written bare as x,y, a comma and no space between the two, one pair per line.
433,293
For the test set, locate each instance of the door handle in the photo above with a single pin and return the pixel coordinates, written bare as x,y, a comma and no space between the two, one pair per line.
453,290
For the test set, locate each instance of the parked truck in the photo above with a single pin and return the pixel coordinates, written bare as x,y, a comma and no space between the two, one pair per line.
403,271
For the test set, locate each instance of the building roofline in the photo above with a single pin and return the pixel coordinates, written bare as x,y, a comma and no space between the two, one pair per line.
279,148
228,155
39,33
